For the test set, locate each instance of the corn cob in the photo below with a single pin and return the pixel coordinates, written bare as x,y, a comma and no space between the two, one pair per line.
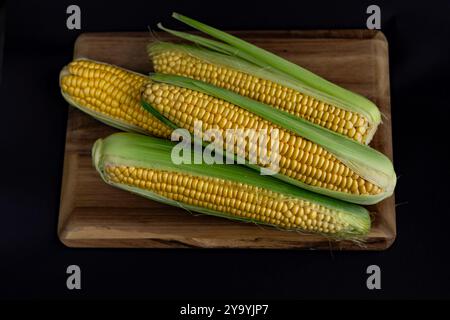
283,84
309,156
265,86
143,165
111,95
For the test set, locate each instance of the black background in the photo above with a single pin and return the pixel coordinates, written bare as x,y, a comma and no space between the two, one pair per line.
33,119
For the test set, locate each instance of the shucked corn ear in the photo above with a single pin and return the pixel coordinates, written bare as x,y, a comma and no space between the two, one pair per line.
143,165
261,84
111,95
254,72
309,156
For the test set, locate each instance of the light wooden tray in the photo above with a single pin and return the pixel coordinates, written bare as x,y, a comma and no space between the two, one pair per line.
93,214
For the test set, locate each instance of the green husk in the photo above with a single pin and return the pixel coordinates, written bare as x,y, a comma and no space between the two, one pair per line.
148,152
211,44
243,65
365,161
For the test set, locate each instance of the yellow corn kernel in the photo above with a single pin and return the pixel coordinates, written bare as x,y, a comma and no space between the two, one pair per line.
112,92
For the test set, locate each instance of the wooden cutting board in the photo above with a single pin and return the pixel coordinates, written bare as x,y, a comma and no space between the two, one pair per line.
93,214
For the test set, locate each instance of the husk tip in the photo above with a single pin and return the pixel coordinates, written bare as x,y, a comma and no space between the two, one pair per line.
96,153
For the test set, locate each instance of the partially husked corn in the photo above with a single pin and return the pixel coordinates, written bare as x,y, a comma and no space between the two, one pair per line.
300,158
185,63
112,93
143,165
229,51
234,198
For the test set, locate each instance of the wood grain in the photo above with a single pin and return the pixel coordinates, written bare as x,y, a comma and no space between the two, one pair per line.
93,214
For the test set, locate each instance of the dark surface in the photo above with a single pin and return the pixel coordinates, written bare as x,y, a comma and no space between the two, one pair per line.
2,36
33,261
